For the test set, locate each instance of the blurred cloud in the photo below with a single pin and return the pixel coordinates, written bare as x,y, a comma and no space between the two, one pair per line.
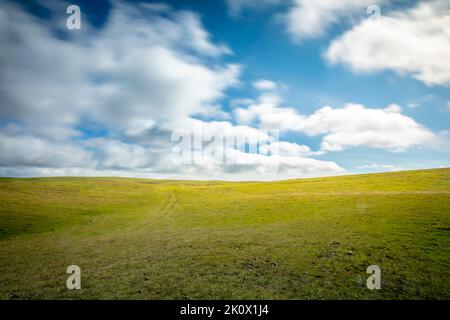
312,19
353,125
105,101
265,85
236,7
414,42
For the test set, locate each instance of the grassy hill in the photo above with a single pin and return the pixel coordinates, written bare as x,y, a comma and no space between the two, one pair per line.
296,239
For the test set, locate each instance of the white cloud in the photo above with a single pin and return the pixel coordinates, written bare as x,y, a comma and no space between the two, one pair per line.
195,35
241,102
353,125
311,19
251,166
266,106
225,129
286,166
138,78
130,78
158,84
131,83
413,105
265,85
117,155
235,7
132,69
414,42
289,149
29,151
379,167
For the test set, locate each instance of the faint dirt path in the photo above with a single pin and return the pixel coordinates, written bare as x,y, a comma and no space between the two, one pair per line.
163,214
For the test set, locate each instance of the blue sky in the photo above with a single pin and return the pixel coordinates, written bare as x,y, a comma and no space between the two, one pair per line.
104,100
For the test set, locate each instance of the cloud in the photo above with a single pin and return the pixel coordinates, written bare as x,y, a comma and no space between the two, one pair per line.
284,166
29,151
353,125
311,19
158,84
241,102
117,155
125,80
235,7
93,76
193,34
413,105
253,166
106,101
223,128
289,149
265,110
378,167
414,42
265,85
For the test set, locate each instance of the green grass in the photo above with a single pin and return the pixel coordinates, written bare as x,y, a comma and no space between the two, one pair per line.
295,239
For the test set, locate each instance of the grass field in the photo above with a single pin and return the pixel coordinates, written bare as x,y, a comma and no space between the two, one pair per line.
296,239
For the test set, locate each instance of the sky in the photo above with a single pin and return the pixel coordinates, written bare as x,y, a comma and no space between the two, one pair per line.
319,88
